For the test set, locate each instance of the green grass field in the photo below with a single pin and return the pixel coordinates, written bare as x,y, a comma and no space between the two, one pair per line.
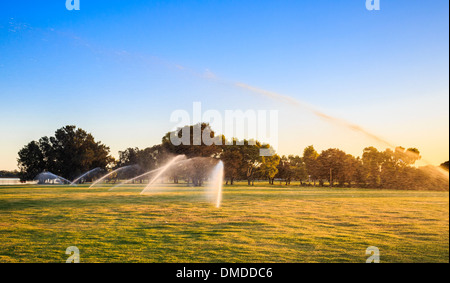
255,224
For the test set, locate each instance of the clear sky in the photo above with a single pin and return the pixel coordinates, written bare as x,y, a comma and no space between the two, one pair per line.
118,69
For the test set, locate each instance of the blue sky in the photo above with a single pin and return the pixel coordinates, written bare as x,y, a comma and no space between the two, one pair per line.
119,68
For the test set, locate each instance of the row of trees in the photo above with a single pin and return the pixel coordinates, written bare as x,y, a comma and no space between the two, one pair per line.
73,151
9,174
390,169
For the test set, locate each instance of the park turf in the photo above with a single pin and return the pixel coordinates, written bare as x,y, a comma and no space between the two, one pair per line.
255,224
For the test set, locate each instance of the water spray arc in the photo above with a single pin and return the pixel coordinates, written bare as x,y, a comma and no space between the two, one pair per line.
111,173
164,168
180,162
74,182
162,171
216,185
135,178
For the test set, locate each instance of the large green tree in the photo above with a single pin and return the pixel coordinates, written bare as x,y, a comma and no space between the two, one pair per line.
269,167
336,166
233,162
71,152
31,161
372,160
193,141
291,168
251,160
310,156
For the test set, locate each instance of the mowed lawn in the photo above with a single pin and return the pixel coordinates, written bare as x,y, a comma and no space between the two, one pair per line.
255,224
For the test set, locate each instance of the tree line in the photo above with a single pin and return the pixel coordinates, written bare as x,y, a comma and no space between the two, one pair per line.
9,174
73,151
